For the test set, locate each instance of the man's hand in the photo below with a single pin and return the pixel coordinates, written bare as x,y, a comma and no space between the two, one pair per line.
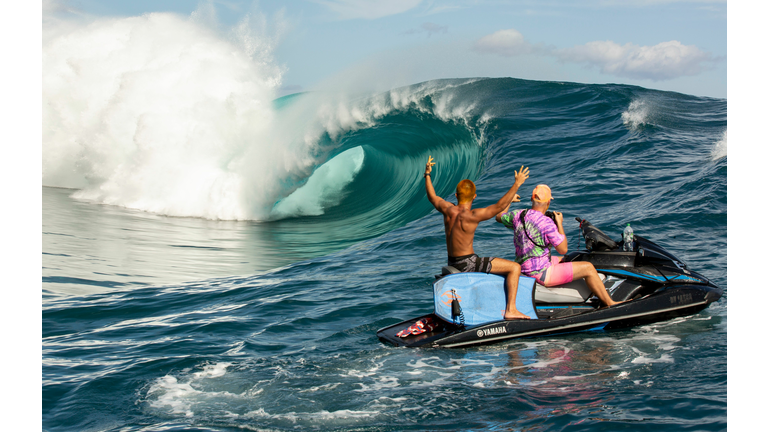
428,170
440,204
515,199
521,176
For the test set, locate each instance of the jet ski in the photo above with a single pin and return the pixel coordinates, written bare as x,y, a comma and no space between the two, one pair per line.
469,307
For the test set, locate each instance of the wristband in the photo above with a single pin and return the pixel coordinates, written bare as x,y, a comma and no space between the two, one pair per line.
425,175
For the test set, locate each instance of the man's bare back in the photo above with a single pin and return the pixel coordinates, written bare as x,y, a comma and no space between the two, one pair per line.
460,226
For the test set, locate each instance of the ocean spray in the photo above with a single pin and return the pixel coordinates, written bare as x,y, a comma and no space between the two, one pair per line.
165,114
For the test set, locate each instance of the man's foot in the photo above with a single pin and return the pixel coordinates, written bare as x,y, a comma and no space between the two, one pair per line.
612,305
516,315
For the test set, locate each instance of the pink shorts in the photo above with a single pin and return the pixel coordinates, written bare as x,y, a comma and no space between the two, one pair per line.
556,273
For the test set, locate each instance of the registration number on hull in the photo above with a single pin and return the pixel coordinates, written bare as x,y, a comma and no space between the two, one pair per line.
681,299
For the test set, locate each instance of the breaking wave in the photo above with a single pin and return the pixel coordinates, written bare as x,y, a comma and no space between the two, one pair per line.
169,115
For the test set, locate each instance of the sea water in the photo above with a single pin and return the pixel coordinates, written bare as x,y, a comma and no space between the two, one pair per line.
216,258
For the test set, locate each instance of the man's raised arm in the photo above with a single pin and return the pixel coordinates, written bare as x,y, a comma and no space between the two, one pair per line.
440,204
508,198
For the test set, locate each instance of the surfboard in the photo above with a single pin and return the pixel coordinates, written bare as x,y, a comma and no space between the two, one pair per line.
482,297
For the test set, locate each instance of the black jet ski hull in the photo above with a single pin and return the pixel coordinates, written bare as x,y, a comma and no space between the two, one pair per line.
655,285
665,304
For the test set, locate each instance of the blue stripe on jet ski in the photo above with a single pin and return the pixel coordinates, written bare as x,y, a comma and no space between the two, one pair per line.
597,328
650,277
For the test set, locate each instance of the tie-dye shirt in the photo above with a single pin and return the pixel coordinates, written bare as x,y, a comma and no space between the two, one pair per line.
532,258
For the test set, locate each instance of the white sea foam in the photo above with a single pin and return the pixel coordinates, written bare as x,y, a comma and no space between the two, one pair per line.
215,389
314,416
636,114
212,371
720,149
666,342
183,396
170,393
158,112
324,387
664,358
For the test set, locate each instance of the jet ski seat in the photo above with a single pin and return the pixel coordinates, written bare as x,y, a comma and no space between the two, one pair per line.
449,270
572,292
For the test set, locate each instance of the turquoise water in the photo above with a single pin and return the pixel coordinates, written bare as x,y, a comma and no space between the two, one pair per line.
157,319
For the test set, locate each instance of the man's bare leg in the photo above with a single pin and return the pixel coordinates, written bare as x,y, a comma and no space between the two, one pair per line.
511,272
587,271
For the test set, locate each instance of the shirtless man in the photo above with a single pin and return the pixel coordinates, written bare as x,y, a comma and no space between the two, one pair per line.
460,225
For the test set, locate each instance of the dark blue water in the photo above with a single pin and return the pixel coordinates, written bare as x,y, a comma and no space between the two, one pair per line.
153,322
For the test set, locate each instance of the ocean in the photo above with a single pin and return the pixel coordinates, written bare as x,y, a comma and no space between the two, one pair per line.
232,274
218,258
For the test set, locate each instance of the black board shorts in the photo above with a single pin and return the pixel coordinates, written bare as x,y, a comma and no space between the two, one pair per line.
471,263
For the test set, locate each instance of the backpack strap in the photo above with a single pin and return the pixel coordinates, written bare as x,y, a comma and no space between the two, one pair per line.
522,221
